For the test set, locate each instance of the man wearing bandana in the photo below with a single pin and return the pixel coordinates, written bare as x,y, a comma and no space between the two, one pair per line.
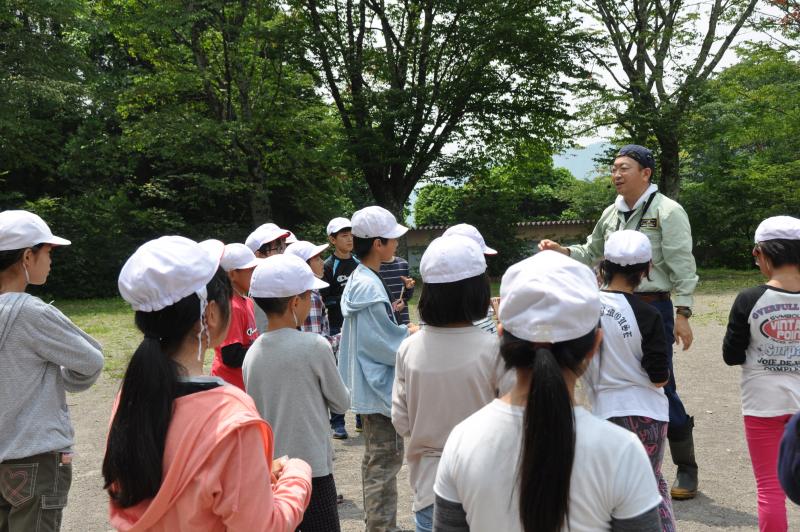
639,206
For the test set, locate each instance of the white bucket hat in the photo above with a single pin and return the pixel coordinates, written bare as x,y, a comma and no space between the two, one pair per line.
264,234
23,229
305,250
470,231
165,270
283,276
238,257
337,224
549,298
376,222
451,258
628,247
778,227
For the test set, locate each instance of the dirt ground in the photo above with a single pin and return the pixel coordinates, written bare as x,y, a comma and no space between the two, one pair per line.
709,389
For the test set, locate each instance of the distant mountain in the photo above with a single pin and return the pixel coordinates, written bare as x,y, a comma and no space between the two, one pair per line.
580,161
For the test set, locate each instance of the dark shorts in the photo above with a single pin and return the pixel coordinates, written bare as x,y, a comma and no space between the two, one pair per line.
33,492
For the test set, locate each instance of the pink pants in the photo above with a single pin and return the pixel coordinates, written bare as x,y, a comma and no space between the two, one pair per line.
763,440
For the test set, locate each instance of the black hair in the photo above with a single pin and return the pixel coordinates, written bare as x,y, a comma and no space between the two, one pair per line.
781,251
275,305
363,246
11,257
632,273
137,437
467,300
266,246
342,230
548,441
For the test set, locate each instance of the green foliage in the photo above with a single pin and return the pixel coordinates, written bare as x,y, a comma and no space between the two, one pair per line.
743,161
587,199
436,204
408,78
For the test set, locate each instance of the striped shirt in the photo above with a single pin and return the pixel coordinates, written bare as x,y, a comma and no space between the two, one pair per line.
391,272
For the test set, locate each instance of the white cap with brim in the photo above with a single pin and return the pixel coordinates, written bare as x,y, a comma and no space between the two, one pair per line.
337,224
453,258
778,227
549,298
628,247
23,229
470,231
166,270
238,257
291,238
283,276
376,222
305,250
264,234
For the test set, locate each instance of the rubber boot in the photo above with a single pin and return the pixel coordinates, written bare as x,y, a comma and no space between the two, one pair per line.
681,446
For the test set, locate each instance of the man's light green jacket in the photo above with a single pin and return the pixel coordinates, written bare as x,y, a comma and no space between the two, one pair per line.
667,226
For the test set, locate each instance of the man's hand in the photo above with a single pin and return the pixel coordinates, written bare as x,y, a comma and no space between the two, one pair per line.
555,246
683,332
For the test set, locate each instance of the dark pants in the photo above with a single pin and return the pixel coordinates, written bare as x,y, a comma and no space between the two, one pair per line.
33,493
677,413
322,514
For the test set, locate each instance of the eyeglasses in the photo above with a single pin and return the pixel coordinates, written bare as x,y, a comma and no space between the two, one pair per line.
278,247
622,169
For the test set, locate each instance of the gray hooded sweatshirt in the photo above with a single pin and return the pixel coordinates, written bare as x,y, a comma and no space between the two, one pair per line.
42,356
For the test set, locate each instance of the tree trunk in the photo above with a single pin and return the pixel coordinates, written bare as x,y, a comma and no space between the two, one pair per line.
670,179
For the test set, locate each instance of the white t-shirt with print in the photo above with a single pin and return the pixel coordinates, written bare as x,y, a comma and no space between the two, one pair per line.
611,474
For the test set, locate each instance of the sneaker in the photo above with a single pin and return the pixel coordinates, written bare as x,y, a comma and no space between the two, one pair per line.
339,433
359,427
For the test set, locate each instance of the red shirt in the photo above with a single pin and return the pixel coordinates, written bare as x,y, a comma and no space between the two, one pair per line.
242,331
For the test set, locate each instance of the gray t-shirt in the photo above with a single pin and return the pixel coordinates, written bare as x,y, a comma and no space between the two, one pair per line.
292,378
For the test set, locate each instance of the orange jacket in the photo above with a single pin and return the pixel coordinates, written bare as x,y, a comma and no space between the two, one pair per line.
217,463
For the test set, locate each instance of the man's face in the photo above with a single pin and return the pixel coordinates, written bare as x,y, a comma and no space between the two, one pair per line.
629,177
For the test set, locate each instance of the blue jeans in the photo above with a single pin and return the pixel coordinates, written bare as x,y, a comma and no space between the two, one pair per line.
423,519
677,412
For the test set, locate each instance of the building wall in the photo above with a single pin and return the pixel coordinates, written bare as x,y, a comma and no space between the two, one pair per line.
565,233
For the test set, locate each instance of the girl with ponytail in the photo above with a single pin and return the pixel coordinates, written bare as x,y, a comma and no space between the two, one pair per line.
532,460
186,451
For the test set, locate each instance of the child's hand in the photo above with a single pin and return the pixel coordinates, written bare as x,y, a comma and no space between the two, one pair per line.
495,302
409,282
412,328
277,466
399,305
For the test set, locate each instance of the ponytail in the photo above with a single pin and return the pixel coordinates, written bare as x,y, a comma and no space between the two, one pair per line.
548,446
132,466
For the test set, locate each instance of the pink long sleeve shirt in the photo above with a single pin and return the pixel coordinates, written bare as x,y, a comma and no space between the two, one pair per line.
217,464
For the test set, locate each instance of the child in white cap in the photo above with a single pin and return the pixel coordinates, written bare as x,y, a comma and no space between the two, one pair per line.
317,320
485,323
185,450
266,240
450,369
626,380
238,261
532,460
370,339
291,375
763,337
42,356
336,271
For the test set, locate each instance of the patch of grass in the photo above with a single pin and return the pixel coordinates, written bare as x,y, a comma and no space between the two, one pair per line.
719,280
110,321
